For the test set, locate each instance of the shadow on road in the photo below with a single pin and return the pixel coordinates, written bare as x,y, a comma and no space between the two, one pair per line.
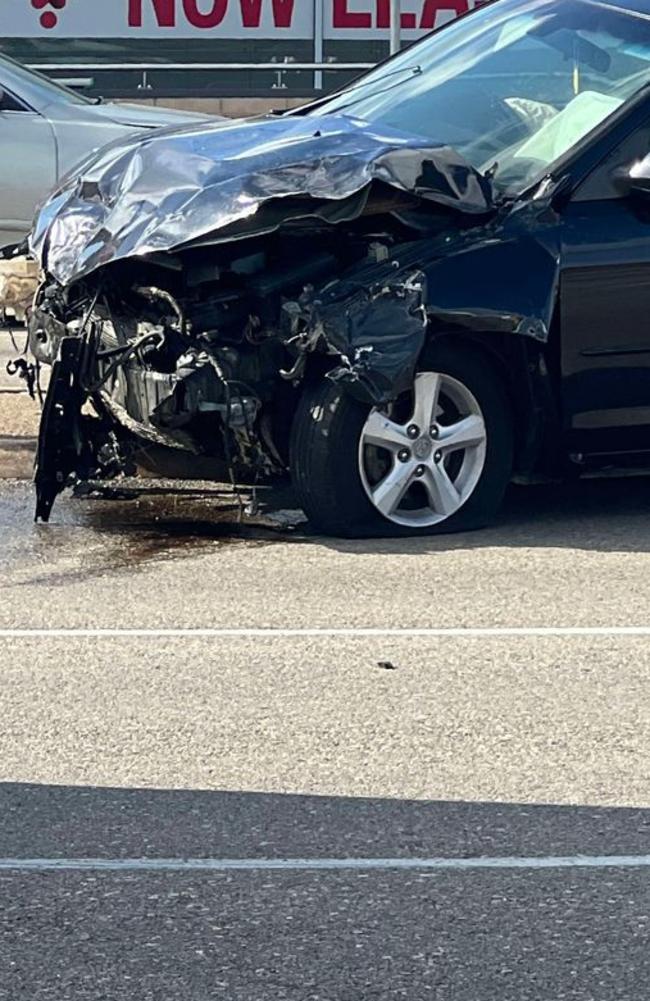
328,936
599,515
54,821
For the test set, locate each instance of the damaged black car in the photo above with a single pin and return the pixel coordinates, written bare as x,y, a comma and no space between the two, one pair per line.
402,296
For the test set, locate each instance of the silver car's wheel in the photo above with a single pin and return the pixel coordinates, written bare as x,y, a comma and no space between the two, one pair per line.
421,461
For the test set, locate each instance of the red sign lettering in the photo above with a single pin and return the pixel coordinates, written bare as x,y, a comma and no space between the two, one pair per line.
344,18
165,11
251,12
433,7
383,16
210,20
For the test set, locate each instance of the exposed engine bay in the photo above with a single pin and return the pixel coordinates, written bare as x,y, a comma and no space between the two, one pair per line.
204,351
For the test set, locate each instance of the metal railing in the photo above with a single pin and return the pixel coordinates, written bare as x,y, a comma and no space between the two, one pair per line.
280,67
318,66
287,65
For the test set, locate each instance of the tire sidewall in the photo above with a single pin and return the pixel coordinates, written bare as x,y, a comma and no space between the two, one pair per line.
325,452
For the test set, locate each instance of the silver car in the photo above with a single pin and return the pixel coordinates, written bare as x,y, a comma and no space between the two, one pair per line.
46,129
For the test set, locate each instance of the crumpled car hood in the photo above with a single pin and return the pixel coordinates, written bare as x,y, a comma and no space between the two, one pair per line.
157,192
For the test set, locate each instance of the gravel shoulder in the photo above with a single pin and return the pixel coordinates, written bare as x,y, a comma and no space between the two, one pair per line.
19,417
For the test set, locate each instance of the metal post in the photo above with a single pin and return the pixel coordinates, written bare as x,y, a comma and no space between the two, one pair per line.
319,37
395,26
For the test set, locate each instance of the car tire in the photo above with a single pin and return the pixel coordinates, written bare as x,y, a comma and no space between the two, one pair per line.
334,456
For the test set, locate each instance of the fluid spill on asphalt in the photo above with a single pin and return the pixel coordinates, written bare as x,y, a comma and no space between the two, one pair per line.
91,536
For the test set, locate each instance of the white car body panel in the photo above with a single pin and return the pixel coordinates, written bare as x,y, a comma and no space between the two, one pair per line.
27,170
45,132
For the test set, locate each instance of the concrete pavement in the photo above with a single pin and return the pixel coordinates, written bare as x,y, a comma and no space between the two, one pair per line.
19,415
330,936
566,556
224,747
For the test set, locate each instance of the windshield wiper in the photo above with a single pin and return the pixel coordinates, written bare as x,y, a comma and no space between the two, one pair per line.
411,70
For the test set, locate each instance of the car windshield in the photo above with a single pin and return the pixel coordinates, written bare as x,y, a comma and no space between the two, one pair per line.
513,86
49,88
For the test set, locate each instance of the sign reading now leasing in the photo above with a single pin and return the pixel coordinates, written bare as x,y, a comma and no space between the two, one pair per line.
351,19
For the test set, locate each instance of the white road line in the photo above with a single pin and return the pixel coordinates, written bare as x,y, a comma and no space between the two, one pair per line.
326,633
323,864
271,633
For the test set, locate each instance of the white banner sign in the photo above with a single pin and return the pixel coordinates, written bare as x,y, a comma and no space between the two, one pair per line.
274,19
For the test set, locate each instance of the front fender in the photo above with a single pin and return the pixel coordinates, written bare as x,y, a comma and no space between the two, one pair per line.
504,286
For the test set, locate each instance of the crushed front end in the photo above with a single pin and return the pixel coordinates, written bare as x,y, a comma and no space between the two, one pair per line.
203,354
195,280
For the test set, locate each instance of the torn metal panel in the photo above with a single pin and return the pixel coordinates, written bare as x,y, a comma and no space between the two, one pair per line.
377,331
145,195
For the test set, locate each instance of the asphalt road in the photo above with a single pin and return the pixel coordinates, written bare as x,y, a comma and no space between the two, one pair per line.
224,747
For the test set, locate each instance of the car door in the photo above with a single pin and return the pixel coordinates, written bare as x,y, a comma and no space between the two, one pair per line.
27,165
605,309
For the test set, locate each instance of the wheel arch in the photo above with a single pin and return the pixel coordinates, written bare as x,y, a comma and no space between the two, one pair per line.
520,364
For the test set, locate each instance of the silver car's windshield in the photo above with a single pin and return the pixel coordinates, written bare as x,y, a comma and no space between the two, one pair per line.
50,89
513,86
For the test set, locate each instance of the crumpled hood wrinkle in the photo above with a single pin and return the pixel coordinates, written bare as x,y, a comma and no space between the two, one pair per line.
158,192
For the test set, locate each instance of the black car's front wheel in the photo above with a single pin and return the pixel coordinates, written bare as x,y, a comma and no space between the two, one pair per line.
437,460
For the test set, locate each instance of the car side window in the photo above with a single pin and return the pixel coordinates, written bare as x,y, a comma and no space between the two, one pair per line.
601,184
10,103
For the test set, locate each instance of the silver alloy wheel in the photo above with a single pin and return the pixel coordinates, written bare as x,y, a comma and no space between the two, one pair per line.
419,472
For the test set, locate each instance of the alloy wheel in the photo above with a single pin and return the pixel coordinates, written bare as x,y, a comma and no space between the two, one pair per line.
421,460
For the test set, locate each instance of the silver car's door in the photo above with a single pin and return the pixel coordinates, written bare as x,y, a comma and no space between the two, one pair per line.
28,166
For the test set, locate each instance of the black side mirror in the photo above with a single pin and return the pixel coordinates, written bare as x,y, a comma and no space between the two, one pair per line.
635,179
2,96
